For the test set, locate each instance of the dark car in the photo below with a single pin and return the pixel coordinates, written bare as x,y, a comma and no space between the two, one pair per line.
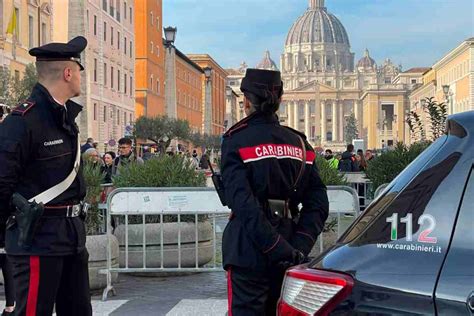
411,252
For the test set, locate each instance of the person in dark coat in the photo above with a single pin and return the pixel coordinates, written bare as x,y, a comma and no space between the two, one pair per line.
107,168
348,162
39,147
268,170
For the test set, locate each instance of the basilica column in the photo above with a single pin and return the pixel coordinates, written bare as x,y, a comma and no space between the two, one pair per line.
335,131
307,119
342,122
317,120
295,115
289,114
323,123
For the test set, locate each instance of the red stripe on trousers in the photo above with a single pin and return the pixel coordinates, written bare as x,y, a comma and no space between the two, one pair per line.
229,291
34,286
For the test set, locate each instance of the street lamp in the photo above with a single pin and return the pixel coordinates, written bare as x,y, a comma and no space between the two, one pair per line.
445,89
423,103
170,35
207,73
447,95
170,72
208,102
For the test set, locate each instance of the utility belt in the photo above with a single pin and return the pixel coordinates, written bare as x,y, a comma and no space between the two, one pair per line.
77,210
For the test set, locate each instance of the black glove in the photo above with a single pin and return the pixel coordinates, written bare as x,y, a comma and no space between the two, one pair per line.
297,258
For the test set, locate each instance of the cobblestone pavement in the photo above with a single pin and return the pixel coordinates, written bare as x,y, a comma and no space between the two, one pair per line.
193,294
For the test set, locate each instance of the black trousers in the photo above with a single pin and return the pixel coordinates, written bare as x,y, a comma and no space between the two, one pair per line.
42,281
7,271
253,293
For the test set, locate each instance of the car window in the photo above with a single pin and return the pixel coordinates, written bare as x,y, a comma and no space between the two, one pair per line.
381,203
457,277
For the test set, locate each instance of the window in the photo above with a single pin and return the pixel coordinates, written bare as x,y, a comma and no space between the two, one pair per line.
413,81
111,7
130,15
111,77
124,10
105,113
118,80
17,75
151,83
95,111
111,114
125,83
131,89
118,10
112,36
125,45
44,33
95,69
151,47
105,31
95,25
104,5
105,74
158,87
131,49
157,50
124,118
151,18
388,80
31,33
158,22
118,117
131,118
118,40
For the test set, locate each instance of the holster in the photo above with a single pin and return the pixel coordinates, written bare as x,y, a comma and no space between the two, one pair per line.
281,217
26,216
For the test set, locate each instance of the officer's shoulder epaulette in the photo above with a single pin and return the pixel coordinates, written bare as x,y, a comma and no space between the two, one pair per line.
237,127
23,108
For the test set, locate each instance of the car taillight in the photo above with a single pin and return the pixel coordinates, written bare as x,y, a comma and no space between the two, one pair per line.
312,292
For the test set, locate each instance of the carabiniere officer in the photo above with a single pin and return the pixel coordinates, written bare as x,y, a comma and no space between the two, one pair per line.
38,151
268,171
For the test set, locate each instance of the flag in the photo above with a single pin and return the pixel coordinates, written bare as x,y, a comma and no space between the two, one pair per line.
12,27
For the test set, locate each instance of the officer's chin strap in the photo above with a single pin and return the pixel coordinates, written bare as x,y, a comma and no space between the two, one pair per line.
52,193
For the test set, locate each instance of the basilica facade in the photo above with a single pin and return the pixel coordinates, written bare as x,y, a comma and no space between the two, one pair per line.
324,85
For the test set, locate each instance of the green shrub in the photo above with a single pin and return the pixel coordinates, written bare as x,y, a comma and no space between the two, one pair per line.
93,178
165,171
390,164
330,176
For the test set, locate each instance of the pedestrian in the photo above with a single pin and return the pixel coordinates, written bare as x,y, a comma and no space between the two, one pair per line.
108,166
332,161
267,171
41,175
92,156
369,156
204,161
195,160
89,144
361,162
348,162
126,156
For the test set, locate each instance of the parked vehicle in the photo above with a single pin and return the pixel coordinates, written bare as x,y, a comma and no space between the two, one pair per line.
411,252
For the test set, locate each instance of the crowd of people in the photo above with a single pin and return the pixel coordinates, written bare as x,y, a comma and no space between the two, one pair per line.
348,161
111,163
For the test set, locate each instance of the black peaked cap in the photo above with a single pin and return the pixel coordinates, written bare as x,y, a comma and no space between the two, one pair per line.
261,82
61,51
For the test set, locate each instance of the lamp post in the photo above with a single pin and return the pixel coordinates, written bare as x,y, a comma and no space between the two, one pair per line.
170,80
208,101
448,94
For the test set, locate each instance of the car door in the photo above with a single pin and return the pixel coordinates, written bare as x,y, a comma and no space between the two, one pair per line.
455,289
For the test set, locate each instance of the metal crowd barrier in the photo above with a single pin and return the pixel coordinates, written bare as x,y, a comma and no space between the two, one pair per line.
363,187
195,202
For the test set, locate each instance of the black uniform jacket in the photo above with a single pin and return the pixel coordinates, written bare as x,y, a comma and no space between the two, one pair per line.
261,160
38,145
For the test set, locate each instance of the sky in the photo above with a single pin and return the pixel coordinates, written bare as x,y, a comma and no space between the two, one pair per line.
413,33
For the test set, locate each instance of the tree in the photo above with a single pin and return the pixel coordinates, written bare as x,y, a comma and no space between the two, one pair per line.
14,90
351,132
437,114
161,130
